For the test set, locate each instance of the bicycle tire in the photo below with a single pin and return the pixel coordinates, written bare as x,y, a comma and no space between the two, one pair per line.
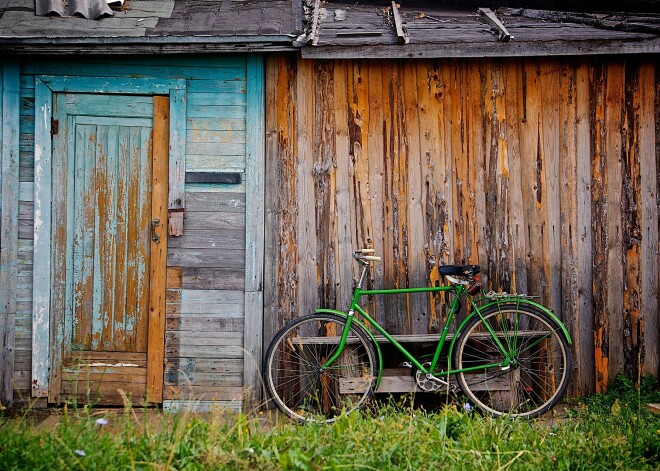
293,375
542,366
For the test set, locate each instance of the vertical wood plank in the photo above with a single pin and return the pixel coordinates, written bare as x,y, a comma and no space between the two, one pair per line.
142,150
275,64
518,250
306,223
375,127
550,138
324,177
344,262
41,274
60,144
583,315
417,304
428,93
614,99
156,342
533,179
599,228
650,215
479,144
254,228
122,241
177,160
10,110
631,223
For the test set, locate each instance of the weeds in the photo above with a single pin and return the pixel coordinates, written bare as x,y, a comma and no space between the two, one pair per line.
610,431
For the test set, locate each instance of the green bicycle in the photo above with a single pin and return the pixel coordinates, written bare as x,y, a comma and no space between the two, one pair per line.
509,356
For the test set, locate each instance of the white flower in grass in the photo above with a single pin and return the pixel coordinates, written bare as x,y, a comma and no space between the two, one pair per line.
80,452
102,421
467,407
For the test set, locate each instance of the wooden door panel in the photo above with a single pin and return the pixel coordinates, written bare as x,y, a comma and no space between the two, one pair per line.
111,237
104,268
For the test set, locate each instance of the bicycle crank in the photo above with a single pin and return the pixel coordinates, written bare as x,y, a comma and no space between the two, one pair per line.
429,383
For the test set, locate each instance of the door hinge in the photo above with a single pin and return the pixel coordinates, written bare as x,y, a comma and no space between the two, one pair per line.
54,127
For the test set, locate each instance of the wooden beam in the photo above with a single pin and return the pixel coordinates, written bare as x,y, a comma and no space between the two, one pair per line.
156,332
254,229
10,106
398,25
492,19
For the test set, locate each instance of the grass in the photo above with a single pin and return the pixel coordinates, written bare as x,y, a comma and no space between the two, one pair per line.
610,431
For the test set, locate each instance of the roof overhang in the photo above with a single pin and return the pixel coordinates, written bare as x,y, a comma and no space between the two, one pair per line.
144,45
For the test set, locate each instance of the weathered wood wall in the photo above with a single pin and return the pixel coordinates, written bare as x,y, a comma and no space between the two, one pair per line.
206,266
542,171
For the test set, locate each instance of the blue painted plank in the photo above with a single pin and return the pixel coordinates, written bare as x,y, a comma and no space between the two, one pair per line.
219,123
215,148
217,86
91,134
10,106
42,221
216,99
83,104
208,111
177,163
146,86
254,226
219,137
140,140
226,163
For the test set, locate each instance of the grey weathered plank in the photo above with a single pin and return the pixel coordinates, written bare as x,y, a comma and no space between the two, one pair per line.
42,185
215,257
213,278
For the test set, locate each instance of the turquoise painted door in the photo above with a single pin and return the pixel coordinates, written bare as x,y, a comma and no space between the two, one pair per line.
102,219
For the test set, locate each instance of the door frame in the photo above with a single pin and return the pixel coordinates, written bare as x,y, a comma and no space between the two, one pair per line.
45,86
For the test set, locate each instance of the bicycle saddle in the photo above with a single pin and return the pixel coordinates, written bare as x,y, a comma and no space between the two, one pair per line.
459,270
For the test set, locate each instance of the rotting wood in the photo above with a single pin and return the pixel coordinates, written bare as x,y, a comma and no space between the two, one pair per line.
492,19
463,125
401,32
605,21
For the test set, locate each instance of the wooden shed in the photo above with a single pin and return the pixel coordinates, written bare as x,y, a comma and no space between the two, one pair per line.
132,200
436,137
180,178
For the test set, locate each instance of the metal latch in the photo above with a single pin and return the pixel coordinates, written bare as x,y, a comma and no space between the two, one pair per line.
154,235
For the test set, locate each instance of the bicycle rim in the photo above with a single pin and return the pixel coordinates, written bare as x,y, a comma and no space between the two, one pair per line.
541,364
295,380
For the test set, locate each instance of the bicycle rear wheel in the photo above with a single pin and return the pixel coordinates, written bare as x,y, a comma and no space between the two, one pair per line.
541,365
293,368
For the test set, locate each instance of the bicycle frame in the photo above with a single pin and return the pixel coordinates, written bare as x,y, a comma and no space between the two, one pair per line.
459,291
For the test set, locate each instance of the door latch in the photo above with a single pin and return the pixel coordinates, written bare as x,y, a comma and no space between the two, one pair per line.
154,235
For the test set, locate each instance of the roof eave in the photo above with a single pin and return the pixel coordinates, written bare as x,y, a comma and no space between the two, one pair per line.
483,49
144,44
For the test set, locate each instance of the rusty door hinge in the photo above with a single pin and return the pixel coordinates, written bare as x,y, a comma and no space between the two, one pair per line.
54,127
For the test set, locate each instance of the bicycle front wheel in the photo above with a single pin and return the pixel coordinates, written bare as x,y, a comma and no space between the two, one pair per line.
540,368
294,376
